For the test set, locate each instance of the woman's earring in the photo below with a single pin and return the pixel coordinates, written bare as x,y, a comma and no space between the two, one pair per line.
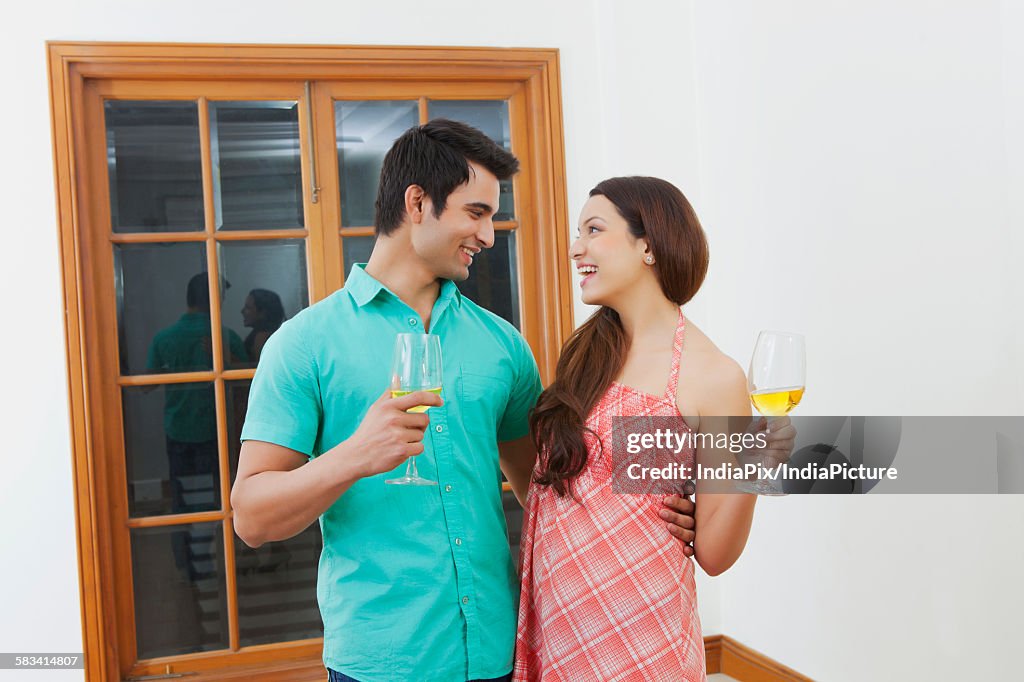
649,259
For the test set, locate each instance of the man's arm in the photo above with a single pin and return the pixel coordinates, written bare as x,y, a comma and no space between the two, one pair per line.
277,494
516,458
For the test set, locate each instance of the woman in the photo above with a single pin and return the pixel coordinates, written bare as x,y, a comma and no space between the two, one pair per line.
605,593
264,313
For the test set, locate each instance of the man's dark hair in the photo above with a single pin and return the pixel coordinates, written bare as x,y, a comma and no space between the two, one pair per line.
436,157
197,295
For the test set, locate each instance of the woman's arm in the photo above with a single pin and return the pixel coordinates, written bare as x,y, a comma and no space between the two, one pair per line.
724,519
516,459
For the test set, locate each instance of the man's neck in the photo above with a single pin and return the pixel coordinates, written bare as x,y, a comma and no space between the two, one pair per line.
393,263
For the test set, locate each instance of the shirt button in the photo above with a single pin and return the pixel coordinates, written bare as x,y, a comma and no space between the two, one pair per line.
447,488
465,600
439,428
458,541
413,322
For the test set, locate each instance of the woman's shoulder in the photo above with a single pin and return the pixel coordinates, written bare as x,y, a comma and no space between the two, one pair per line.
707,375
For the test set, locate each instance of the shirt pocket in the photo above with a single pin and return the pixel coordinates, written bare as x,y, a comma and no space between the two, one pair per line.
483,395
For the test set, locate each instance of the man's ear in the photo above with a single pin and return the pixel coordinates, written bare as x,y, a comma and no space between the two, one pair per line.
414,203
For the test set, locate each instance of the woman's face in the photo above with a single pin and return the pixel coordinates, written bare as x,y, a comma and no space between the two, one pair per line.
250,313
609,259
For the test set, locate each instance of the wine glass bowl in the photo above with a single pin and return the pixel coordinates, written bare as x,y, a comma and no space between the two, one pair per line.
416,366
776,383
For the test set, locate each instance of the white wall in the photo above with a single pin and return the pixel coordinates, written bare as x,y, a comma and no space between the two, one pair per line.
867,151
854,155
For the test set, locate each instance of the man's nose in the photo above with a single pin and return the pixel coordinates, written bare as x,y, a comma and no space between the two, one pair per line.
485,235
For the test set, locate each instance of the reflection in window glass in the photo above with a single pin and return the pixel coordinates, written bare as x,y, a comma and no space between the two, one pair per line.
257,165
356,250
491,117
163,306
236,395
493,282
277,589
270,278
153,162
180,587
365,131
170,438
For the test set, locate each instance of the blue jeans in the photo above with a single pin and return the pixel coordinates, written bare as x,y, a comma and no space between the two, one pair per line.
335,676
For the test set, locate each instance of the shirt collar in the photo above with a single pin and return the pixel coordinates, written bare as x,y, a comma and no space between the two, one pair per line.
364,288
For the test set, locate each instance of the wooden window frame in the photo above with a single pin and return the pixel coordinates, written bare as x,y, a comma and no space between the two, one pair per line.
543,270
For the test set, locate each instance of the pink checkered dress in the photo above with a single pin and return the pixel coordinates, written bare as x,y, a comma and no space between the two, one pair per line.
607,593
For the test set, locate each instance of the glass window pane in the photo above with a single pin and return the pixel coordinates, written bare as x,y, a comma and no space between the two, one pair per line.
490,116
179,580
153,162
237,402
153,312
356,250
277,589
493,282
270,277
170,438
276,582
365,131
163,306
257,165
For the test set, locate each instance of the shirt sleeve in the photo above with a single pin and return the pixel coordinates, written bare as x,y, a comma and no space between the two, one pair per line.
285,407
526,388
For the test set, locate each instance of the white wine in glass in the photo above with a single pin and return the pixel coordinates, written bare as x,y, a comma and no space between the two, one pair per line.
398,393
774,402
416,367
776,381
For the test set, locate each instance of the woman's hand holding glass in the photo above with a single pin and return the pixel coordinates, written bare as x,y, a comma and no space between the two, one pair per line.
779,436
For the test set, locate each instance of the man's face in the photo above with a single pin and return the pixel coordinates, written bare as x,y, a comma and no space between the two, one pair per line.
447,244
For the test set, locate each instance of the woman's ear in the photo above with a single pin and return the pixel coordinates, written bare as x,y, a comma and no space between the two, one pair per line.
414,197
648,255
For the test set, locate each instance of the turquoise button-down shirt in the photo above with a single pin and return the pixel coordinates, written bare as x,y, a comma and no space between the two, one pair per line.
415,583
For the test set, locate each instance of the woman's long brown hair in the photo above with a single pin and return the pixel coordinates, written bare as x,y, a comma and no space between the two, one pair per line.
593,356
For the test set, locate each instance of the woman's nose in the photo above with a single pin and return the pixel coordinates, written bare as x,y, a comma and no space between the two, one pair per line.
576,250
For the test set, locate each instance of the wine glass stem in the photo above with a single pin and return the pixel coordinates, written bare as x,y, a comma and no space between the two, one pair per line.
410,468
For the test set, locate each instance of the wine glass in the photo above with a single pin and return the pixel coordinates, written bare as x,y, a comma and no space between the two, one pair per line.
776,382
416,367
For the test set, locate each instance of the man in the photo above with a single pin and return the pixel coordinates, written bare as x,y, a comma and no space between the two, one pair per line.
415,583
190,418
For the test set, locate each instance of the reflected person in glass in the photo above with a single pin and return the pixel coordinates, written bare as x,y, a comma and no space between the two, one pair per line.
415,583
263,313
190,415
